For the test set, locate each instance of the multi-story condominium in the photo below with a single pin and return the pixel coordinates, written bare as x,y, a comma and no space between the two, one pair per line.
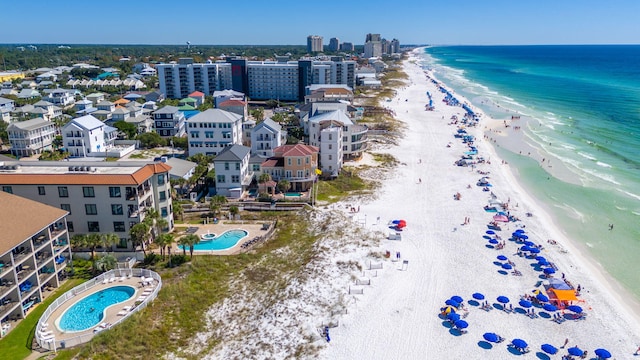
95,98
394,47
31,136
60,97
334,44
347,46
7,104
295,163
273,80
169,121
328,93
100,197
213,130
233,175
338,138
266,136
261,80
179,80
88,136
34,253
314,43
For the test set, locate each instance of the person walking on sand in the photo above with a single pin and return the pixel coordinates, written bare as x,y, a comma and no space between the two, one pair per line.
566,341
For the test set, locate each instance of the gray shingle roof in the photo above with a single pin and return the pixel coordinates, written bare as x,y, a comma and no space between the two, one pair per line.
215,116
166,110
233,153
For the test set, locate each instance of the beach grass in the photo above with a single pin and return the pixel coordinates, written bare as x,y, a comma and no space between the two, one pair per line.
170,322
17,344
347,183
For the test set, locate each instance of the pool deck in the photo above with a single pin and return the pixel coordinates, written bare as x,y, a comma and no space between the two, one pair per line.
111,313
252,229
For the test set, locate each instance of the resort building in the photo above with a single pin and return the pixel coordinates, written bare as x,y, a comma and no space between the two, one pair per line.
31,137
295,163
233,175
338,138
223,95
179,80
99,196
212,130
169,121
87,136
260,80
34,253
266,136
96,98
60,97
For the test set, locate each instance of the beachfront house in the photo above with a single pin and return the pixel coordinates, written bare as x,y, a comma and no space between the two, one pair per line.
295,163
233,175
266,136
34,253
88,136
213,130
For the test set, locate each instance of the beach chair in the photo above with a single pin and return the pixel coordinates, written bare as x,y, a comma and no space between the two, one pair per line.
122,278
46,333
125,310
112,279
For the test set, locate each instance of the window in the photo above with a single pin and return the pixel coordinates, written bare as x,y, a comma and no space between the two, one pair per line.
163,195
123,243
330,157
256,167
114,192
91,209
93,226
88,191
70,226
41,190
118,226
237,166
235,178
66,207
161,179
299,161
116,209
63,191
226,166
221,179
163,212
7,189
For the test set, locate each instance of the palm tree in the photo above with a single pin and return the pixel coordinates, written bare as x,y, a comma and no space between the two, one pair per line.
155,221
79,241
283,185
233,210
105,263
263,180
178,210
216,203
169,243
92,241
140,235
190,240
108,240
163,241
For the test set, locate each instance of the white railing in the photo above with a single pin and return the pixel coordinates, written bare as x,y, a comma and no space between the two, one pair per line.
69,342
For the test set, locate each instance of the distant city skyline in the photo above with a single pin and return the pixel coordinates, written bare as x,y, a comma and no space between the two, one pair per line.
287,22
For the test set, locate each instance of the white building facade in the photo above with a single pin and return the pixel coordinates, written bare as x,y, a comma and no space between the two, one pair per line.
212,130
31,136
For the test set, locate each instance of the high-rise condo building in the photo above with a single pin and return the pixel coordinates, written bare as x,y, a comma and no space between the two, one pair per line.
334,44
314,43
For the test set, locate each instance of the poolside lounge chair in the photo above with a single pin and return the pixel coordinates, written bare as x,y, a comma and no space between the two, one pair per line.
125,310
105,281
46,333
121,278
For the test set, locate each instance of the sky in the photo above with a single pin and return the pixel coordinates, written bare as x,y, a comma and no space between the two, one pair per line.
286,22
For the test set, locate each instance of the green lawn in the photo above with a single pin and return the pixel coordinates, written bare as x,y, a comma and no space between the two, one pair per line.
17,344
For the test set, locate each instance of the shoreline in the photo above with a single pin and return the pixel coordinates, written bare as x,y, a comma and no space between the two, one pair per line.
397,316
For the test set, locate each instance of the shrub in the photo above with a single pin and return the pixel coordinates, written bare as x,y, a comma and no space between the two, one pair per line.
151,259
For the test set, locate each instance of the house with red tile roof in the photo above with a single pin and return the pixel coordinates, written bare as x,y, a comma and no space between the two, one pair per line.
295,163
198,96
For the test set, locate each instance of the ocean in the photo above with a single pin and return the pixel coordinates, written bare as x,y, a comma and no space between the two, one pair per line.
587,100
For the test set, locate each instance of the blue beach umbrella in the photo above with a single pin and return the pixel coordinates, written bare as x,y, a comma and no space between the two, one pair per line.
534,250
602,353
507,266
549,271
502,299
550,307
523,236
452,303
519,343
541,258
549,349
478,296
542,297
491,337
493,241
502,257
461,324
490,232
575,351
529,243
520,231
574,308
543,262
453,316
457,299
525,303
525,248
448,309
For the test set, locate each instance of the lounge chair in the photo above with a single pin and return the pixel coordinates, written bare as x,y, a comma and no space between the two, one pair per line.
121,278
112,279
46,333
125,310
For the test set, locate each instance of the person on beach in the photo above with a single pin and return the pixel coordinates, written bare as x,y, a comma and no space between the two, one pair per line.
566,341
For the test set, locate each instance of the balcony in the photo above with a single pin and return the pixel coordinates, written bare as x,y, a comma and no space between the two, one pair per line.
358,130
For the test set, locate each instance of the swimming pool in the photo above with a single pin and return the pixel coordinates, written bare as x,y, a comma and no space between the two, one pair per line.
293,194
89,311
227,240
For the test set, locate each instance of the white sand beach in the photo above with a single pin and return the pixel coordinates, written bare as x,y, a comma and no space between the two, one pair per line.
397,316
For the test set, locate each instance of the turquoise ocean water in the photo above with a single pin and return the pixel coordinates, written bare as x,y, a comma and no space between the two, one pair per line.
587,99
